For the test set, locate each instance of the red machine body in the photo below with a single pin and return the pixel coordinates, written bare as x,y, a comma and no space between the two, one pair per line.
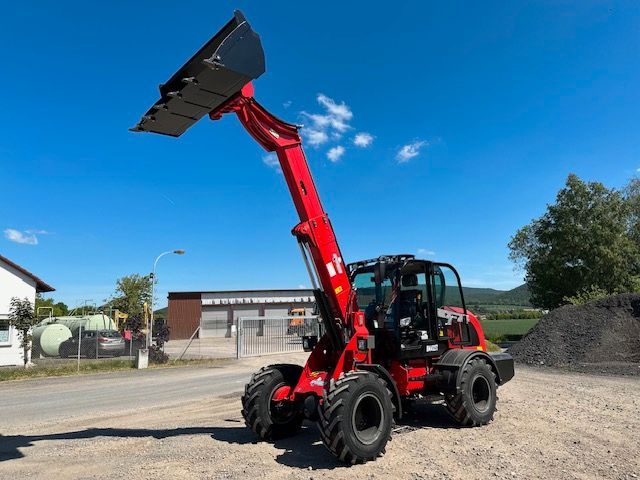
373,357
316,237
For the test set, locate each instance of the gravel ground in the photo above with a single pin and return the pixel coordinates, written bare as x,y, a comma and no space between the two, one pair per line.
550,424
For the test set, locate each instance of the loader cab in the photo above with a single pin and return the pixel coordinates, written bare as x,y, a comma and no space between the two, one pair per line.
415,308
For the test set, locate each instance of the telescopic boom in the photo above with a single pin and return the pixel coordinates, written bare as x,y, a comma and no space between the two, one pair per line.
217,81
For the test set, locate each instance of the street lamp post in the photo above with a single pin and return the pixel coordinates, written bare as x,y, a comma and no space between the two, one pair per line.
153,283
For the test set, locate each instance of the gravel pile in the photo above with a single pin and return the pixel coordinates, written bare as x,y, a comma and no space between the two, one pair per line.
603,335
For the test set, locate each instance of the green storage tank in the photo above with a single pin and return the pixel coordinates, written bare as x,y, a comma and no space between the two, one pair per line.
49,337
51,332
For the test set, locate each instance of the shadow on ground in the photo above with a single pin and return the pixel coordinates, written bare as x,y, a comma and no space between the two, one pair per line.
301,451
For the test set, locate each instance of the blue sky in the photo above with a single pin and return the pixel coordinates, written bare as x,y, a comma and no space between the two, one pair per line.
499,102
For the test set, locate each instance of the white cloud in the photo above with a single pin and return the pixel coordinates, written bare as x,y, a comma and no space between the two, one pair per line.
17,236
424,251
271,160
316,137
287,104
334,121
335,153
409,151
363,139
337,110
638,169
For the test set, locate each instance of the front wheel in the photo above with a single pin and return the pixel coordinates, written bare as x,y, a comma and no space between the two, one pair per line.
272,419
475,403
356,417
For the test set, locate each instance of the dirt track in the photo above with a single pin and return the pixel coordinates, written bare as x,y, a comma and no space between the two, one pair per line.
550,425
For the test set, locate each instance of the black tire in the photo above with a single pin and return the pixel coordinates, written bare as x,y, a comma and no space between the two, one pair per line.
270,420
356,417
476,402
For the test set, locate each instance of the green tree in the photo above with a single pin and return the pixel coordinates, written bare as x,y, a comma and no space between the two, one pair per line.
23,317
582,242
632,197
587,295
43,305
131,293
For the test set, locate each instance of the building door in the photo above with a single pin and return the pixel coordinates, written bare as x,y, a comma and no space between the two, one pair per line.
214,321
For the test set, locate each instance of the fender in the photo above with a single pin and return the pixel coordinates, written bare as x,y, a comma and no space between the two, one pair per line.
455,360
384,373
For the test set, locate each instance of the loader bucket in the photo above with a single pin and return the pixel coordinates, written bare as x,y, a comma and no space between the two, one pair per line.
226,63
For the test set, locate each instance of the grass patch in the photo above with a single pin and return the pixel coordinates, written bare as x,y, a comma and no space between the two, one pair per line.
51,369
492,347
507,330
66,368
205,362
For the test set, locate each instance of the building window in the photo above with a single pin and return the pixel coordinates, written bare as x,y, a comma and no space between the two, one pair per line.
5,338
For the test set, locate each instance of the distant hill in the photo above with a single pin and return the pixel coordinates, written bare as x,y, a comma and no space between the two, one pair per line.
519,296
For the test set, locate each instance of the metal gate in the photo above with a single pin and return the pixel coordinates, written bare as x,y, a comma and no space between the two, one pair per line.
267,335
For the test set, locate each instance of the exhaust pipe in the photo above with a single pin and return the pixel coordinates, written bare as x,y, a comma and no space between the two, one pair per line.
232,58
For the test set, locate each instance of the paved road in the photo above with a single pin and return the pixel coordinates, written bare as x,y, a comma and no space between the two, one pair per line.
44,401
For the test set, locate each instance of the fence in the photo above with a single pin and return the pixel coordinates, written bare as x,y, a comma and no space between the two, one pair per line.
201,347
268,335
251,337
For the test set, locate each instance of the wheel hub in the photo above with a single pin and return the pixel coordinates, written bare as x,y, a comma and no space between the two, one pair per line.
281,409
368,418
480,393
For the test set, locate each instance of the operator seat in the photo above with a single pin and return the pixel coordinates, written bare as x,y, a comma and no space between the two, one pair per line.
409,303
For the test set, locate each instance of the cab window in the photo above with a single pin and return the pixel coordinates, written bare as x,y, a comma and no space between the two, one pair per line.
413,298
365,284
445,286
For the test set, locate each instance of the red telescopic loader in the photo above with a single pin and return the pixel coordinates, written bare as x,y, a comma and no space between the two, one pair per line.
395,328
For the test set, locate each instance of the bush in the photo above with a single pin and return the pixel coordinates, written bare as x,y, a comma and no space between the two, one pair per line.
156,352
515,315
586,295
156,355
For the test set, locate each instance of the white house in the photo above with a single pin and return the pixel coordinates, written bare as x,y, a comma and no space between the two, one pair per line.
15,281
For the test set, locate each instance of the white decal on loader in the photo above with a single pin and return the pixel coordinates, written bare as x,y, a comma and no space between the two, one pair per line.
338,261
331,269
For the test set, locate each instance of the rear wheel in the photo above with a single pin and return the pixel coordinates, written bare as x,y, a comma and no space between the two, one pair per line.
475,404
272,419
356,417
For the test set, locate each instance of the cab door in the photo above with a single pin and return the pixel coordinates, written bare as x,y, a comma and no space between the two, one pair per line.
448,305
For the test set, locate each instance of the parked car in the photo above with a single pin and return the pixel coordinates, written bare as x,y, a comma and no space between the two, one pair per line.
93,344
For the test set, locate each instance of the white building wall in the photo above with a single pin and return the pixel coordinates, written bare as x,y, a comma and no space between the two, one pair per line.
11,351
13,283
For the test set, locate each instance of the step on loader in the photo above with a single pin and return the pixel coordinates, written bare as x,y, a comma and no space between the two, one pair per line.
396,328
